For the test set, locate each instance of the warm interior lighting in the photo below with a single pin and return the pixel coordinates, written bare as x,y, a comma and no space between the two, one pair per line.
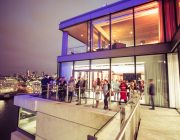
82,35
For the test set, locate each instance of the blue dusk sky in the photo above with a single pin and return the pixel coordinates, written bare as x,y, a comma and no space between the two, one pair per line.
29,35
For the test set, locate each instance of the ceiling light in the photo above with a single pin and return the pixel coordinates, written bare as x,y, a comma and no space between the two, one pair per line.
131,32
82,35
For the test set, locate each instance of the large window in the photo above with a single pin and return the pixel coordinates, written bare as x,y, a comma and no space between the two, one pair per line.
122,69
100,34
122,29
81,65
148,24
95,35
100,64
78,39
154,67
27,121
174,85
66,69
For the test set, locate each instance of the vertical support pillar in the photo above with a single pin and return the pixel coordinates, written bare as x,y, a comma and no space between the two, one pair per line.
99,40
91,37
56,92
67,94
47,96
64,43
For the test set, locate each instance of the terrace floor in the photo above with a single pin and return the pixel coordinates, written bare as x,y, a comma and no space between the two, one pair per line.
159,124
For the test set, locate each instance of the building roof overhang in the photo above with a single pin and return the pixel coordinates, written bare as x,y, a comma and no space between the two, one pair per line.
112,8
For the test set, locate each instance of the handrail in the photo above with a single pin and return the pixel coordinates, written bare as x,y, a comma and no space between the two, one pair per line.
121,134
106,123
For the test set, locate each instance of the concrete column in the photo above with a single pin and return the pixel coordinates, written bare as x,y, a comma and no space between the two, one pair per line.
64,43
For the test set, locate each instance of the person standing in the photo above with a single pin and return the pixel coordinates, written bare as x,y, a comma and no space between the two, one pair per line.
106,94
97,91
44,83
151,92
71,88
77,88
64,88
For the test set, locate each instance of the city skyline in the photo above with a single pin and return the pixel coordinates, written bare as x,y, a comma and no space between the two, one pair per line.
29,35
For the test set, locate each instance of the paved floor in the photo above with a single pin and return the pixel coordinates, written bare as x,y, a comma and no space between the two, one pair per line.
159,124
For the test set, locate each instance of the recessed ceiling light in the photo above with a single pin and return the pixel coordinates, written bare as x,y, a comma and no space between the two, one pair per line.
131,32
82,35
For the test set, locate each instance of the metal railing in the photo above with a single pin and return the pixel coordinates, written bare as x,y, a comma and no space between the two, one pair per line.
49,91
128,119
78,49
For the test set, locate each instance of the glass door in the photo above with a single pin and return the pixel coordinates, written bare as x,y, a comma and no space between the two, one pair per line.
94,74
82,74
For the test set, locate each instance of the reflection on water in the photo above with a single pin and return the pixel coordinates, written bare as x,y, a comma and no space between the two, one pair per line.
8,118
2,104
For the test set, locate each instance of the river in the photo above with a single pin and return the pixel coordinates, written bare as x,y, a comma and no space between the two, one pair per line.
8,118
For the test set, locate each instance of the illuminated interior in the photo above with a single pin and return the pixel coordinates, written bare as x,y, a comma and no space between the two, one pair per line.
122,30
123,68
27,121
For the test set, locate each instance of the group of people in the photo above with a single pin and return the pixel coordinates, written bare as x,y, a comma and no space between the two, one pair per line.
124,89
120,89
73,87
105,86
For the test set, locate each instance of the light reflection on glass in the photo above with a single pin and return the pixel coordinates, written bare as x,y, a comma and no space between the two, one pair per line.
2,104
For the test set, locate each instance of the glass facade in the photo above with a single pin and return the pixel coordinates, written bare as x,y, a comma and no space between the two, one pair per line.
174,83
66,69
122,69
129,69
100,64
27,121
100,34
78,39
127,28
81,65
148,24
122,29
154,67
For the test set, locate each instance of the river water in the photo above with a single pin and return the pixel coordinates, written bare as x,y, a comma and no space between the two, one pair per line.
8,118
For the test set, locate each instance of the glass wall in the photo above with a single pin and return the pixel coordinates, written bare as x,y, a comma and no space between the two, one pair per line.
78,39
100,34
100,64
27,121
81,65
81,70
147,67
148,24
122,69
122,29
94,35
67,69
154,67
174,85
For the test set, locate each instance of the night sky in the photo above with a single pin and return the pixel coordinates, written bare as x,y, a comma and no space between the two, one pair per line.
29,35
